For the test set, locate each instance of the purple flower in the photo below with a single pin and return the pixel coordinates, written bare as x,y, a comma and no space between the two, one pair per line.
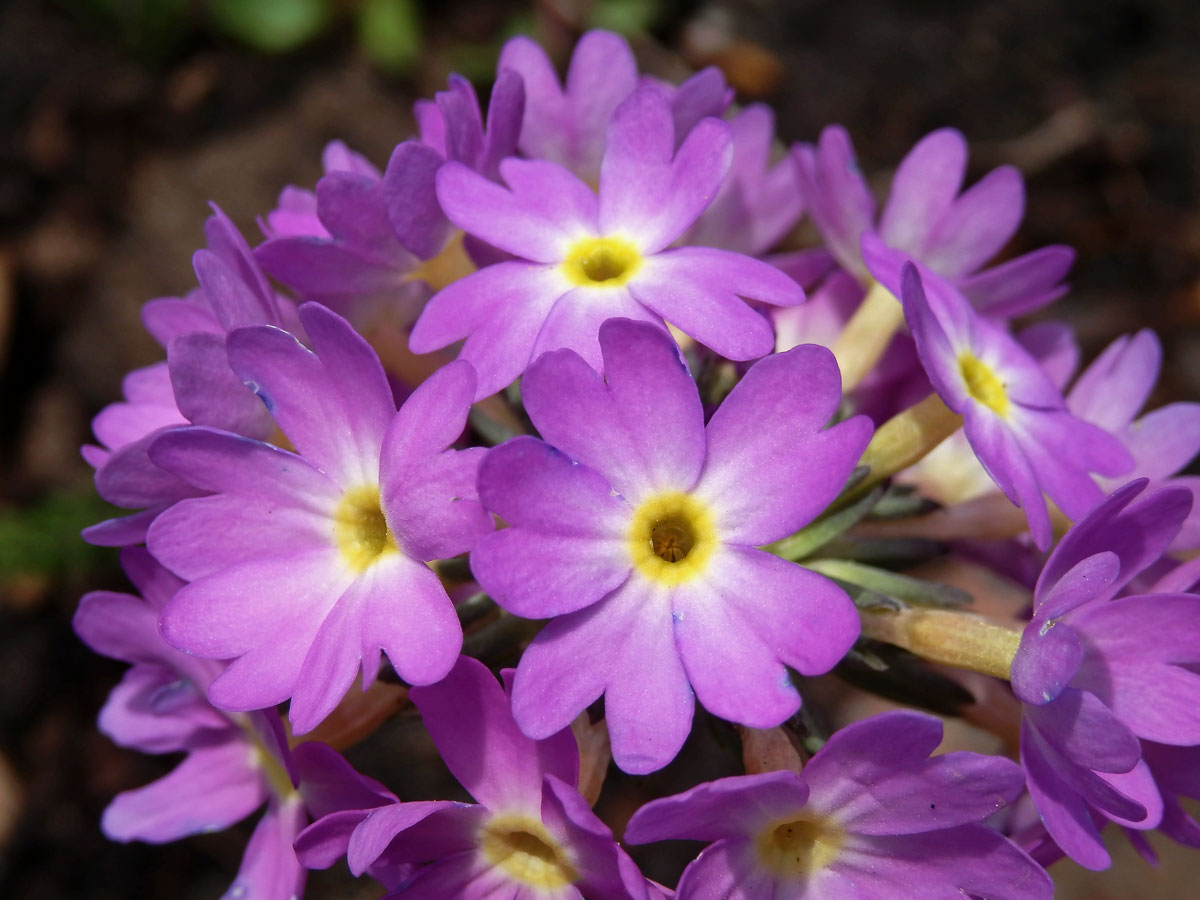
233,764
1014,417
531,833
585,257
1112,390
871,817
296,213
758,203
302,565
195,385
567,123
1097,671
380,244
927,219
634,527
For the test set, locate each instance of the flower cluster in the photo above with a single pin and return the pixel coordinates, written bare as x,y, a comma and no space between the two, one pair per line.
559,377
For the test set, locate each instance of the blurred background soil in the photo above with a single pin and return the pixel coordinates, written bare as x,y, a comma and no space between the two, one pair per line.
121,119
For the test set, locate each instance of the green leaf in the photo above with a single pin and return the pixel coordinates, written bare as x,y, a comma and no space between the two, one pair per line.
891,584
271,26
390,33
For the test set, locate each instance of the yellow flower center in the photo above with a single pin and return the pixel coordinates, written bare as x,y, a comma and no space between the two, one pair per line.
982,383
360,529
797,848
672,537
601,261
527,852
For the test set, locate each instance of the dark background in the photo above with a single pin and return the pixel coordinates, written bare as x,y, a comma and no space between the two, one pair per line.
119,122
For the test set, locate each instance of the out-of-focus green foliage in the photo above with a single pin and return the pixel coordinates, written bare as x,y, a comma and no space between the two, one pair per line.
389,31
272,26
626,17
43,539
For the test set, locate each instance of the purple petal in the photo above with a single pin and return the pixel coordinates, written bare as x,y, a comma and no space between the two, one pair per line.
770,468
1164,440
574,322
543,209
1134,646
469,718
1022,285
228,613
130,479
234,302
750,615
1054,347
1063,811
1085,731
307,404
1112,389
207,390
170,317
837,195
625,645
502,308
567,548
1047,659
371,838
317,269
407,613
923,189
977,224
646,193
971,860
153,710
643,429
869,791
270,870
700,290
1139,532
409,183
354,209
209,791
604,868
727,807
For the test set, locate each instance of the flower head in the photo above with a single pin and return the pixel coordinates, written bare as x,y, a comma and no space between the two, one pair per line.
302,565
871,815
583,257
1014,417
530,834
1097,672
635,526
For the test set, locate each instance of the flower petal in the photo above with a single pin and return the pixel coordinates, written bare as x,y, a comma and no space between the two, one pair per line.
471,723
770,468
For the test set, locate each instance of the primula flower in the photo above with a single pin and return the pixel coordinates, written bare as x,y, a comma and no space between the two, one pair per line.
871,817
1014,417
1097,671
927,219
1110,393
585,257
234,763
567,123
302,565
530,836
194,386
365,241
759,202
635,527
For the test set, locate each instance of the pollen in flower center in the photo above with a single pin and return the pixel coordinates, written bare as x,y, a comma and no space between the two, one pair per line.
671,537
526,852
983,384
360,529
601,261
797,848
